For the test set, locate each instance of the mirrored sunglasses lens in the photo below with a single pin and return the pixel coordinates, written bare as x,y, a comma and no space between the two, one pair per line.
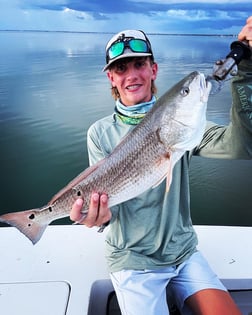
116,50
138,45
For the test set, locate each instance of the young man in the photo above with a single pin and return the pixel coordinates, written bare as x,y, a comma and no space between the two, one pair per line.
151,242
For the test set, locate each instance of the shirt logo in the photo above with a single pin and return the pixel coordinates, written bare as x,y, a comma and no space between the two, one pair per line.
245,96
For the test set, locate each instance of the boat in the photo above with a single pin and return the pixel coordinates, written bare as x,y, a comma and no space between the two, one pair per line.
65,273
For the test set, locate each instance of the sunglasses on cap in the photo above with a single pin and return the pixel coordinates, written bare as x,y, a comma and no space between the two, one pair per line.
134,44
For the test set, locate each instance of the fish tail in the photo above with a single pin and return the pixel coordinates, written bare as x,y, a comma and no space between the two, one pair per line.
26,223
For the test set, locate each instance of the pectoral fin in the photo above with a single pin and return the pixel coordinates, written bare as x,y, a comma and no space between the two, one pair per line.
169,177
174,157
166,160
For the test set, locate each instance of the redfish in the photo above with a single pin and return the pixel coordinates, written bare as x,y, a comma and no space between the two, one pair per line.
142,160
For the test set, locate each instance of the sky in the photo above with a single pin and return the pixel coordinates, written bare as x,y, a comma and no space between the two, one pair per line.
152,16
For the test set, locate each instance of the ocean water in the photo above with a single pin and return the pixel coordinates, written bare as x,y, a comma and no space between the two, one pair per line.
52,88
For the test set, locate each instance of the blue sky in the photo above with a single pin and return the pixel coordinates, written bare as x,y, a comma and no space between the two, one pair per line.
161,16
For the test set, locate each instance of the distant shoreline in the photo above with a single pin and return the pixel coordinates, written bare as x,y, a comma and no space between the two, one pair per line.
83,32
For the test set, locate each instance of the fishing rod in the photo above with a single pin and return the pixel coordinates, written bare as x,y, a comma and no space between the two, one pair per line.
227,68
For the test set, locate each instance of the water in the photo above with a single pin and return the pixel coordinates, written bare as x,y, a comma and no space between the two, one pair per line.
52,88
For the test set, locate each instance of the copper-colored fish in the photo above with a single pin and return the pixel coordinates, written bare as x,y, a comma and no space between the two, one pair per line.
142,160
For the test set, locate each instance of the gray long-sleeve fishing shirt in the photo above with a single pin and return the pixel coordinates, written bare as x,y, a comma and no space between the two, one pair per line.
155,229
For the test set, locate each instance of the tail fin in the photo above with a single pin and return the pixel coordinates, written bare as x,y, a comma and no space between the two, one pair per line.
26,223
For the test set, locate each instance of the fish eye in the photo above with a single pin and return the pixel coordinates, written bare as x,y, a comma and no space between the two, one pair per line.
185,91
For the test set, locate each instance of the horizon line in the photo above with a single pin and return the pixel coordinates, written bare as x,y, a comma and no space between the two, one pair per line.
109,32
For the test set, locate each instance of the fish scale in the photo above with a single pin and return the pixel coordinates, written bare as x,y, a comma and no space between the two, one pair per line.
147,155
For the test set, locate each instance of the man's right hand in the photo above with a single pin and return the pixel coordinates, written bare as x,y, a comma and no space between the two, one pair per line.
246,32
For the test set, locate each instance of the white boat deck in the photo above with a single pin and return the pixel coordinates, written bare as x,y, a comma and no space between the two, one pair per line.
54,277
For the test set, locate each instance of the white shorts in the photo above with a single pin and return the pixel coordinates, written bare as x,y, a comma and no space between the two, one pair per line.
144,291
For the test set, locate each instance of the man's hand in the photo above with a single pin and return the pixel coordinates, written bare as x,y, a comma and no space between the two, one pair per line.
98,213
246,32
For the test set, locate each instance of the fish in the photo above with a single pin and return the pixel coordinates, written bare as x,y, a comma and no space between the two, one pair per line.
142,160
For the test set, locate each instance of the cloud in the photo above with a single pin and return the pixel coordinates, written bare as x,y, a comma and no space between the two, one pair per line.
216,16
140,6
93,6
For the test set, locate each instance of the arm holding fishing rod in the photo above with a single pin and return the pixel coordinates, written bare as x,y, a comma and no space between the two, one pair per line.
233,141
99,213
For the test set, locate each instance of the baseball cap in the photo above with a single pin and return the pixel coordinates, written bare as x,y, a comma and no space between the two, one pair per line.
127,43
